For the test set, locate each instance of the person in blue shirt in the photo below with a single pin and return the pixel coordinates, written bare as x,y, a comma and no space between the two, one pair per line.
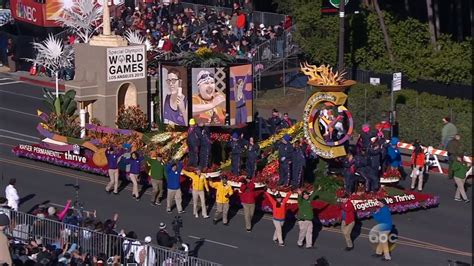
383,229
113,159
135,168
173,174
393,153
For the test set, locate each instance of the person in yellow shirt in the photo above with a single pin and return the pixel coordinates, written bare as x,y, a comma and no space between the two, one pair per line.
223,193
199,185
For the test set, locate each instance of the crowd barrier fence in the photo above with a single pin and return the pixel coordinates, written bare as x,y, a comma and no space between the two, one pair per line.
24,227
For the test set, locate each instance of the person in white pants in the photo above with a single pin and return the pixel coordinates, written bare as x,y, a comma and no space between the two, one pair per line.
12,195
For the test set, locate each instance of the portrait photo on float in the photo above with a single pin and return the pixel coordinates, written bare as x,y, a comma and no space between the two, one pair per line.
208,102
241,94
332,122
174,95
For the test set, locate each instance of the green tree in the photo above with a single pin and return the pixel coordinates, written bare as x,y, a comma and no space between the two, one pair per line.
316,34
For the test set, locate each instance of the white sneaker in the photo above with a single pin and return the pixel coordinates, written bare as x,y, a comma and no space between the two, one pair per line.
196,215
206,216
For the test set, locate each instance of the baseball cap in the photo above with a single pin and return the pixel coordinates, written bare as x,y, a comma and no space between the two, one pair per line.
162,225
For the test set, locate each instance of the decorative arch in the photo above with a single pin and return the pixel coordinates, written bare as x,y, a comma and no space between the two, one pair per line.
126,95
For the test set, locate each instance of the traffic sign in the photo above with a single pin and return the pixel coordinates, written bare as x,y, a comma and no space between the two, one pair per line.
397,81
335,3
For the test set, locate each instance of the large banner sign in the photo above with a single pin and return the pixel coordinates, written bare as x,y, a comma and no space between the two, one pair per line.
27,11
126,63
174,82
241,94
209,96
72,159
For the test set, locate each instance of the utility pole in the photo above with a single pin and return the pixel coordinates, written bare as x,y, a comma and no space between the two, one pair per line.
340,61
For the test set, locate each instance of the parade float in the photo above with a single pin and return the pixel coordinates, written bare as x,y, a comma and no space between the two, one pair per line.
326,134
73,139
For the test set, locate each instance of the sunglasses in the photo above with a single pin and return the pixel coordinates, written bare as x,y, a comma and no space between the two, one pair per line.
203,76
172,80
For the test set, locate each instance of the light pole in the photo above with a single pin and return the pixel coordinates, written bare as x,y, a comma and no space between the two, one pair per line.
57,83
340,61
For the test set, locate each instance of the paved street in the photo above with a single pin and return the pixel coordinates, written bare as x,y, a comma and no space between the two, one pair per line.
426,237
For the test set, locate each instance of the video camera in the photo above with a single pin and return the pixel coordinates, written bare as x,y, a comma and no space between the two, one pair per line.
177,225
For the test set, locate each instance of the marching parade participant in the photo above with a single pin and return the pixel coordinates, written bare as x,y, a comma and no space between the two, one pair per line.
279,215
223,193
113,159
247,198
157,175
199,186
305,218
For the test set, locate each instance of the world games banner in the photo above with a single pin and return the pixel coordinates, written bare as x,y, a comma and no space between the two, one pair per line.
126,63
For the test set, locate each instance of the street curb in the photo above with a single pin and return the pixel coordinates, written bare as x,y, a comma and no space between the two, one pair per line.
42,83
35,80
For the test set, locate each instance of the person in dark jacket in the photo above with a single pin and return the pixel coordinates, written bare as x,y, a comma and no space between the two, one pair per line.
135,168
274,121
349,165
253,151
163,238
298,164
364,139
285,151
205,147
375,152
286,122
193,142
363,168
235,153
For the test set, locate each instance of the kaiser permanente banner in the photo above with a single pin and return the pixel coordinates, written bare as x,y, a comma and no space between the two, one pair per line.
126,63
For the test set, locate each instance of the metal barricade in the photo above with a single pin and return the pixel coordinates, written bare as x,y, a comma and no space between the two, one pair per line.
126,251
257,17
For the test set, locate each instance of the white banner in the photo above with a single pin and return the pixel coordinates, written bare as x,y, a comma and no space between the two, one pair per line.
126,63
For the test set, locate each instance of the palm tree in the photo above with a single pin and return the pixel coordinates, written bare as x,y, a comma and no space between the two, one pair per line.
429,8
83,18
51,54
386,38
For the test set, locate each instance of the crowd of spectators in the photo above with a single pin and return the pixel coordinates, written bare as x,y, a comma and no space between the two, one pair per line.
171,27
77,238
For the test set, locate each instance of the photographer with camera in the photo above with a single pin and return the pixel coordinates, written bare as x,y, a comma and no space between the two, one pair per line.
163,238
